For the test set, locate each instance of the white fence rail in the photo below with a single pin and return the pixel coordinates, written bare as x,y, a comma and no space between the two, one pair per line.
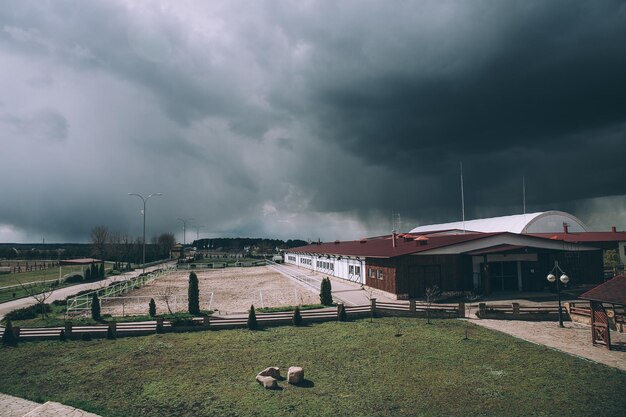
305,279
83,302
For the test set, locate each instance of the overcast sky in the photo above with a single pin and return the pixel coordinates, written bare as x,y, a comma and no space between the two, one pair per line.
307,119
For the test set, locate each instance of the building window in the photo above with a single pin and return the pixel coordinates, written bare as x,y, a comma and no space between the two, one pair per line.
357,270
380,274
351,269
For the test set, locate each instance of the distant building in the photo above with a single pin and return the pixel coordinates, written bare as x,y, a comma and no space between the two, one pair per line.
511,253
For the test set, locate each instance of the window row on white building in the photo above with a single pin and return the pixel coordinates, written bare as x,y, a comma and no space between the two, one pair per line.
348,268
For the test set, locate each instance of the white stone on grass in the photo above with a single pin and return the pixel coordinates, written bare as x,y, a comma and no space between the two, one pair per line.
295,375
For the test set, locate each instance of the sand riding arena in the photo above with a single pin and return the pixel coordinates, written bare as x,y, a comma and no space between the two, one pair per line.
225,291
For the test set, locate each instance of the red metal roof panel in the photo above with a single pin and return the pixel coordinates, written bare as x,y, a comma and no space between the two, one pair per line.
612,291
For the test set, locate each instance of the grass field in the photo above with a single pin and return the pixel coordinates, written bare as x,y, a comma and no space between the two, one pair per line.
35,276
50,274
352,369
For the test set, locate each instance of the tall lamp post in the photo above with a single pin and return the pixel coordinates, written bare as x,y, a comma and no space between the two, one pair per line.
184,230
143,213
564,279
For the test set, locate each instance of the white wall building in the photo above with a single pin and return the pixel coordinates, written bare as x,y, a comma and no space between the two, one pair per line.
345,267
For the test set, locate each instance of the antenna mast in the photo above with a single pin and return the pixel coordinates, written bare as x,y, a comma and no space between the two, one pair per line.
462,197
524,192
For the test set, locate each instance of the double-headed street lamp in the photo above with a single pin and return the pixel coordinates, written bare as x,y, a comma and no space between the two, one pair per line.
143,213
564,279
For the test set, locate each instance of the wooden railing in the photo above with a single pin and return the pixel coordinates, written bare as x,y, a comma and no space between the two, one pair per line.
515,311
116,329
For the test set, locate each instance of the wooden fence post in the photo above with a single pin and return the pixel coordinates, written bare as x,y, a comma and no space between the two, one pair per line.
373,307
68,329
462,310
113,328
159,325
482,310
206,322
412,306
339,308
515,309
16,332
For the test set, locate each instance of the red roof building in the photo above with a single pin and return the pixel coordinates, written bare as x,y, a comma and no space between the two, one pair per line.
404,265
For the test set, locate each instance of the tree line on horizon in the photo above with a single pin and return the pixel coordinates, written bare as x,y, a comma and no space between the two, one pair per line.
229,244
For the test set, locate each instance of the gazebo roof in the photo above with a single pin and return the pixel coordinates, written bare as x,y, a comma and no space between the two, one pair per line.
612,291
82,261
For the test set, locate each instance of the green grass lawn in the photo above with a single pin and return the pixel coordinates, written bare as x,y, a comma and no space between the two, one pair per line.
352,369
50,274
36,276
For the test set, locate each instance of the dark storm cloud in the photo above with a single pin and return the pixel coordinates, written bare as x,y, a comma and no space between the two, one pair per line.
44,124
545,98
309,119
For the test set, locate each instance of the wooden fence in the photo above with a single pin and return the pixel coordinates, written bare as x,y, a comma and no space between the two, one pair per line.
515,311
116,329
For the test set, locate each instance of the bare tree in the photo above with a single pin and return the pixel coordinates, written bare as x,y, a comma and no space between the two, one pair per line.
165,242
431,294
99,240
115,247
470,296
39,294
166,293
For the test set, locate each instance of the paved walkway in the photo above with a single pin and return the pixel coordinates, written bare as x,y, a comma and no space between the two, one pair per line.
350,293
63,293
574,338
17,407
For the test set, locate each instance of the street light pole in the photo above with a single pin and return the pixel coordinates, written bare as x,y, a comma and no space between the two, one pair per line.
564,279
143,213
184,228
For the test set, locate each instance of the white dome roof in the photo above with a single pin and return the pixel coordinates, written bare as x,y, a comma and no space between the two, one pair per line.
542,222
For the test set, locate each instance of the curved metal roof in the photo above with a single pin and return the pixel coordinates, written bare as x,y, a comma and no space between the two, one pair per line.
541,222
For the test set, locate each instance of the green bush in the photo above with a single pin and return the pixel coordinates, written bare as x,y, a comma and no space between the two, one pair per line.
326,296
342,316
27,313
95,307
62,336
252,323
193,294
297,317
8,338
88,274
152,308
74,279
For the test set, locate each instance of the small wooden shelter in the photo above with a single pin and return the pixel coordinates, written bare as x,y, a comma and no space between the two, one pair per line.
81,261
613,293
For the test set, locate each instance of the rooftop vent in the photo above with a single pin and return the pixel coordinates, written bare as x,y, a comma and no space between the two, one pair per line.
363,240
336,242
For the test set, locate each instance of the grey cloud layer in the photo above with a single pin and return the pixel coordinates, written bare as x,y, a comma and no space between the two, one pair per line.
307,120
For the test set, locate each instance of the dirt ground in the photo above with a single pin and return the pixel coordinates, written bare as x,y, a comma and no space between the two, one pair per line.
226,291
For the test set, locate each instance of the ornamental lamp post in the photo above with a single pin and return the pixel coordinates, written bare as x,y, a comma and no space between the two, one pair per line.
564,279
